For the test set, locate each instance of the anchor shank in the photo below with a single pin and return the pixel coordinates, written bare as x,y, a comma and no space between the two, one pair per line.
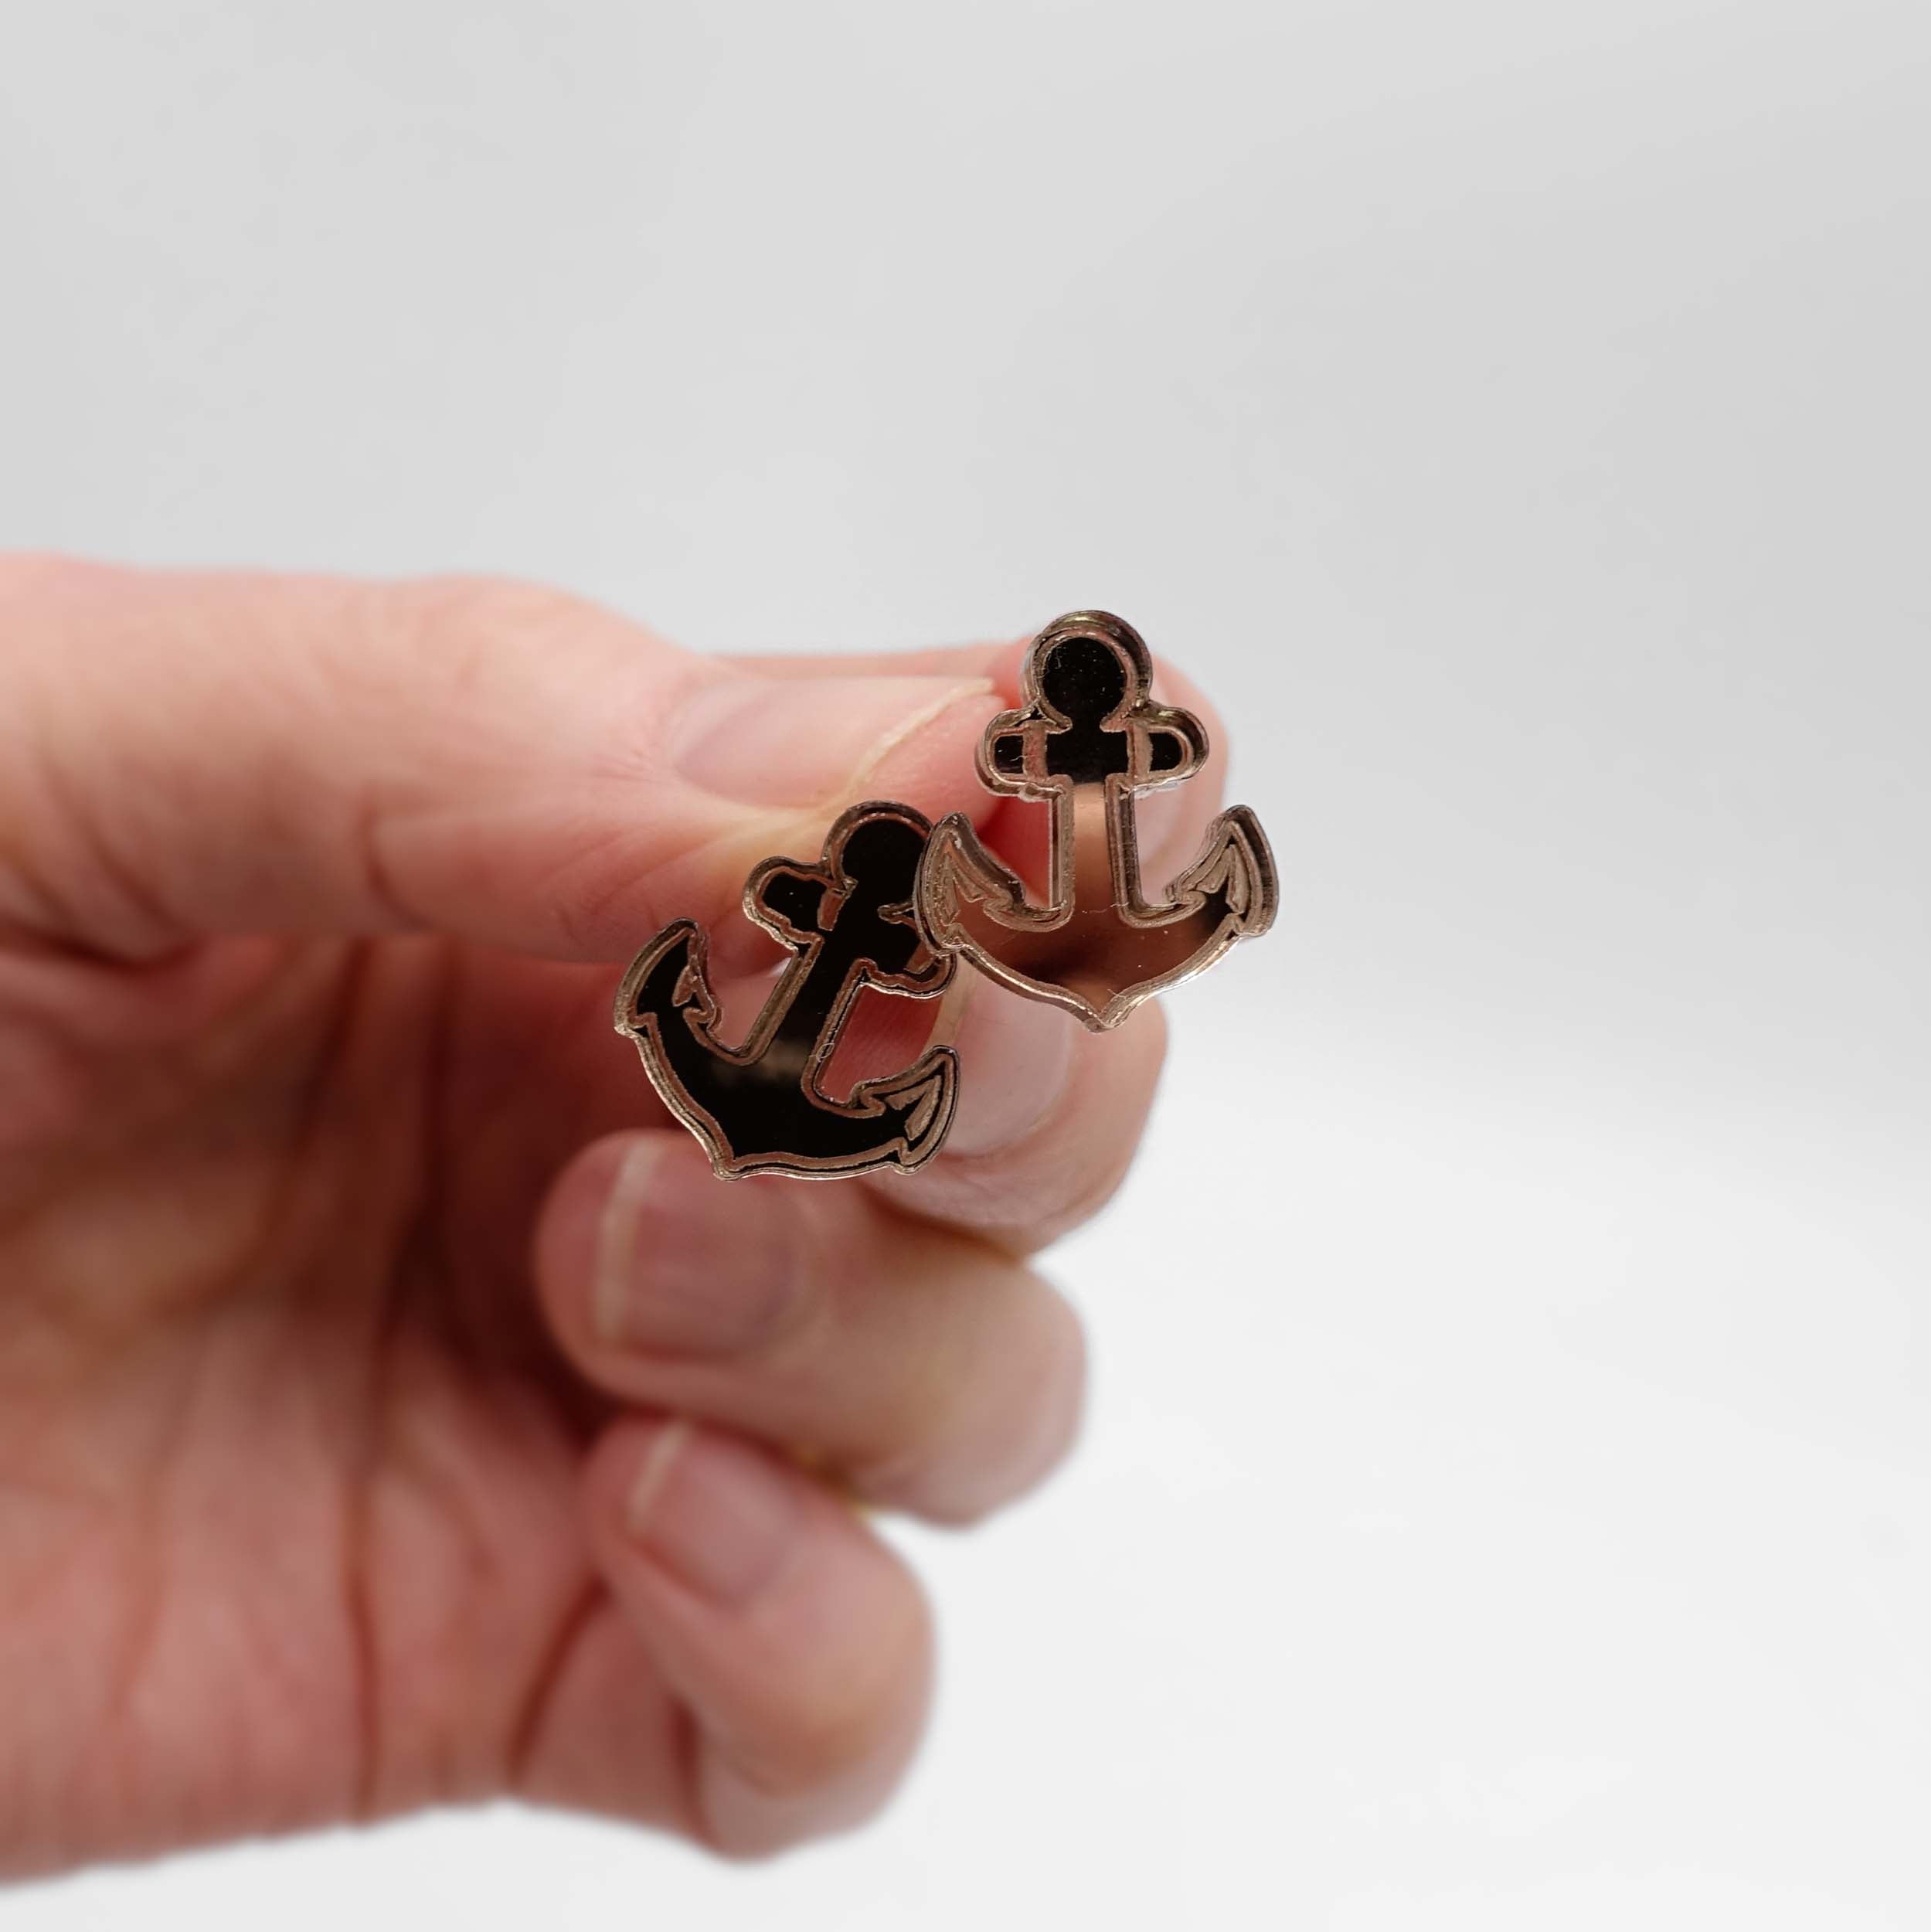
795,1017
1085,850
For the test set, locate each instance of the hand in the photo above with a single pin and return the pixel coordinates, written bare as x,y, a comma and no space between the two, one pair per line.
393,1410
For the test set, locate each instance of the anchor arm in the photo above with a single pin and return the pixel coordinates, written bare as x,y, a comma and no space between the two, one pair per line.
1173,745
789,902
1006,752
1007,758
924,969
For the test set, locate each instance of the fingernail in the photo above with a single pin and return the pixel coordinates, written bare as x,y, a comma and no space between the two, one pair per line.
717,1514
781,741
1020,1055
685,1265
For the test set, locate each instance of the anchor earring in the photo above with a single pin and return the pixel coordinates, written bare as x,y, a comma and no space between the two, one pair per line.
848,923
1087,740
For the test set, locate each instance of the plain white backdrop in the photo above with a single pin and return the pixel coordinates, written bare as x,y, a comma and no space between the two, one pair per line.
1507,1502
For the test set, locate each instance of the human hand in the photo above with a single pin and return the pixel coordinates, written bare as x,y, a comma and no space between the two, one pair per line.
394,1409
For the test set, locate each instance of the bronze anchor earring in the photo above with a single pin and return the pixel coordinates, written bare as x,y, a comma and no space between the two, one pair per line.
760,1108
1088,739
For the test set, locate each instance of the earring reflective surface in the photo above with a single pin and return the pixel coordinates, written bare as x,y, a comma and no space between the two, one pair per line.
1086,741
848,922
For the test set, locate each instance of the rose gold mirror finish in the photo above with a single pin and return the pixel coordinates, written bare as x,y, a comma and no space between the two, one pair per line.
1086,741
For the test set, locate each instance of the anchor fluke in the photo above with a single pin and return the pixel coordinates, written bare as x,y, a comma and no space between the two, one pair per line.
1237,863
920,1103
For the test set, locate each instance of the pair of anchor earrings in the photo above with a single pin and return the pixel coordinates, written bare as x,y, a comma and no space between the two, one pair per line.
897,905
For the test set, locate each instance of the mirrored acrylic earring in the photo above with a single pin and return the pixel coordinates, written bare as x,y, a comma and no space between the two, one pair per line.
1087,740
761,1107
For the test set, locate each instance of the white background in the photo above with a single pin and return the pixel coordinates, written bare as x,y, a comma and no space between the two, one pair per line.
1507,1501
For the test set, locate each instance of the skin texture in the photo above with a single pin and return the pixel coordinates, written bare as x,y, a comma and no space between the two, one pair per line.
393,1410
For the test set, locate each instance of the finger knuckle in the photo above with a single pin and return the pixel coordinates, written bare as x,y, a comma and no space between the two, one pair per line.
462,626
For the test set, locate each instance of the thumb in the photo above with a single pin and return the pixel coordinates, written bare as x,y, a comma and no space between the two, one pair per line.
183,754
